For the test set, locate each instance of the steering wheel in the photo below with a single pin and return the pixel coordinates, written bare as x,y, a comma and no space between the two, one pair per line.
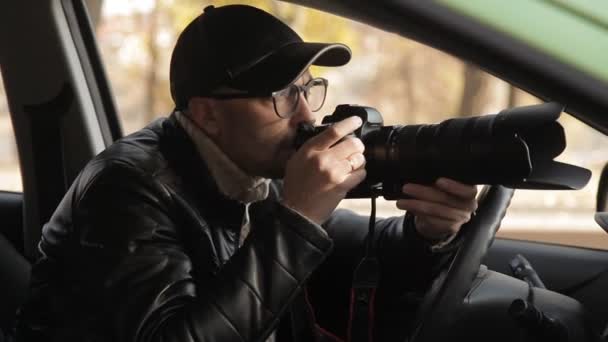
444,300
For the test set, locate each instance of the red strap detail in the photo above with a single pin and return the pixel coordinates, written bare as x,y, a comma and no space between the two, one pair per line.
350,314
314,319
310,308
371,315
328,334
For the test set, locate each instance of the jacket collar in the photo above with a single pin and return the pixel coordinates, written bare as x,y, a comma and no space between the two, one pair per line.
231,180
195,177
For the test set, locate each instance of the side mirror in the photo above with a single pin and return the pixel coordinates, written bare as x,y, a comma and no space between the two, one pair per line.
601,202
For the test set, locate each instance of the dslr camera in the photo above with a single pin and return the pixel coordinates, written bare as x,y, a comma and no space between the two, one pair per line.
514,148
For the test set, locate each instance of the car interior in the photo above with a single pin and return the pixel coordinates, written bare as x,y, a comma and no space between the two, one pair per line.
63,113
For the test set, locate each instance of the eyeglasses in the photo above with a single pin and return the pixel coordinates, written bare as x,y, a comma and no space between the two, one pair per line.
286,100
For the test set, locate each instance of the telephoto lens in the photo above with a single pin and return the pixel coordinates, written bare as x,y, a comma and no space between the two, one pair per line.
514,148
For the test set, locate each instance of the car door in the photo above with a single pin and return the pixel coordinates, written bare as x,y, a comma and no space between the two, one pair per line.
577,272
55,95
14,268
510,41
58,99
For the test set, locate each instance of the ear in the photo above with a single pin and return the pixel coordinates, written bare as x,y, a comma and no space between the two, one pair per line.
204,115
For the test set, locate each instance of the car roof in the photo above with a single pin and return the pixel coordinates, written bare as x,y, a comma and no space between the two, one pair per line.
572,32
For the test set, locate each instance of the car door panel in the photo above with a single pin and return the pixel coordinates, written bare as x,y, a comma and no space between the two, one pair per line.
577,272
11,218
14,268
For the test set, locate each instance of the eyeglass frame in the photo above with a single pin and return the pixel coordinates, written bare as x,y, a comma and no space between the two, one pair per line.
302,89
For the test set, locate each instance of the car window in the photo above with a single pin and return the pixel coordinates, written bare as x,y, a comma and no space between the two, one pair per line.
409,83
10,176
585,20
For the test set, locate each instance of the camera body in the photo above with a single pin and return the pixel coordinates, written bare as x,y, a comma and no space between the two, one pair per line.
514,148
372,119
371,133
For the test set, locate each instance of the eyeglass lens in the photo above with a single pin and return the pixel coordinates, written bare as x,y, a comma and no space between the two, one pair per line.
286,101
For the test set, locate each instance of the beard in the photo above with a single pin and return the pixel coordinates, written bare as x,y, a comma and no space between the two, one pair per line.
284,151
279,164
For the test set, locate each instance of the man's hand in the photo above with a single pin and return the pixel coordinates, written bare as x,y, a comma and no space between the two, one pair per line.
440,209
323,170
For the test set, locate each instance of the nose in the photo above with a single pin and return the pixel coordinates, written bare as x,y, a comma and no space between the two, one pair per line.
303,112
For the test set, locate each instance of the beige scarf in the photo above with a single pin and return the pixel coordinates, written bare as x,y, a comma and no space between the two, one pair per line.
233,182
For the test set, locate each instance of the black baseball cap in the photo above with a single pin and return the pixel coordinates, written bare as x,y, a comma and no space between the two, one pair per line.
244,48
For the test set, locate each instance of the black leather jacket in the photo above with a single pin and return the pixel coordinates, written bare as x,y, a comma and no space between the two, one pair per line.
143,247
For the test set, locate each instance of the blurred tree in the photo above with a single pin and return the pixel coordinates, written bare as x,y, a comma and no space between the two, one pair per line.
410,83
152,65
8,147
517,97
294,18
476,90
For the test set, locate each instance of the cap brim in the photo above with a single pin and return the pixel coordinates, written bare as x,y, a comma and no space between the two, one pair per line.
283,67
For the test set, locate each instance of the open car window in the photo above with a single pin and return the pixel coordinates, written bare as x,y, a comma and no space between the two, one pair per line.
10,176
409,83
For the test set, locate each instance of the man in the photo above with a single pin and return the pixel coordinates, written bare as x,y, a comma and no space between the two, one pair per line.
183,231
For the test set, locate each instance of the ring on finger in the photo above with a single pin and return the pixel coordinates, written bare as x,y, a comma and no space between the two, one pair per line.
353,167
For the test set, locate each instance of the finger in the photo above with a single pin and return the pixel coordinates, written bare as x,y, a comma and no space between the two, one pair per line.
461,190
437,228
351,164
357,161
434,194
354,162
346,148
353,179
426,208
334,133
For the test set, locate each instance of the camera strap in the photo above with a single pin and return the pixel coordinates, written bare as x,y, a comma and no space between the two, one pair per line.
363,291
